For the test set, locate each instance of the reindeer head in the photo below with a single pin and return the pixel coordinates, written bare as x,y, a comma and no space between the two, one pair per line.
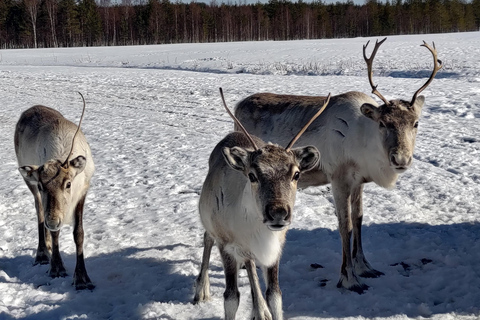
54,182
397,119
273,172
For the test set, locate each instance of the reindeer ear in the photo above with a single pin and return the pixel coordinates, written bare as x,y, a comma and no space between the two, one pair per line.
418,105
236,158
78,164
370,111
29,173
308,157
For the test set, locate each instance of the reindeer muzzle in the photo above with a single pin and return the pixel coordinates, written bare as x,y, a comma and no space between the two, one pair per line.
400,162
277,216
53,224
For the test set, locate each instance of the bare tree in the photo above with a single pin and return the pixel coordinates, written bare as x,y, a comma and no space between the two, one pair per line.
52,8
31,7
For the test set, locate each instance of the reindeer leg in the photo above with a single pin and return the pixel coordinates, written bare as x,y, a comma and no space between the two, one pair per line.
57,269
348,278
361,265
44,249
260,308
273,293
202,283
80,277
231,295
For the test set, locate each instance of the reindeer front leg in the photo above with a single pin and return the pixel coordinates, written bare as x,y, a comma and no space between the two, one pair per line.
57,269
361,265
348,278
273,293
260,308
202,283
80,278
231,295
44,249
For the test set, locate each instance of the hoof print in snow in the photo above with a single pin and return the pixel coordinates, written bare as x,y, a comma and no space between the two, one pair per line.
316,266
468,140
406,268
323,282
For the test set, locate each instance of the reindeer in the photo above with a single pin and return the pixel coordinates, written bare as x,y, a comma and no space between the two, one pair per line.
246,207
359,141
56,163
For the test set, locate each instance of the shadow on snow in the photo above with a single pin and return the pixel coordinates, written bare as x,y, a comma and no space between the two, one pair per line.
125,280
428,270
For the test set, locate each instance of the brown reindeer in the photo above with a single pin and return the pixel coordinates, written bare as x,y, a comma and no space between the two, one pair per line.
246,206
359,141
56,163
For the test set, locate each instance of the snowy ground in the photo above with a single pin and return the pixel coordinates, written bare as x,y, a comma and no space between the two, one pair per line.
153,116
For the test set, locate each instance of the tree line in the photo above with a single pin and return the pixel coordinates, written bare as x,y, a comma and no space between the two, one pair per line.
68,23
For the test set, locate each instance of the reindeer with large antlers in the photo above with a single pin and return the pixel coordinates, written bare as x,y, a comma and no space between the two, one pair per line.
359,141
56,163
246,207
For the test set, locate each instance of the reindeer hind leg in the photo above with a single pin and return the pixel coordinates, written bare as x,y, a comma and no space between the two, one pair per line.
202,283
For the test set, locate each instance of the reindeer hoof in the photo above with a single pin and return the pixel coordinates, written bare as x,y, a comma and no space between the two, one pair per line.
41,259
82,282
201,296
83,286
372,274
358,288
354,284
202,290
57,272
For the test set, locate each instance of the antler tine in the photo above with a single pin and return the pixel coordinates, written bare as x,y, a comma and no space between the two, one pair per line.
238,122
437,65
369,62
299,134
65,164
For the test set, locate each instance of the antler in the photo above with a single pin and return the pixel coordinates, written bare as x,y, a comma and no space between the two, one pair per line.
238,122
369,62
299,134
65,164
437,65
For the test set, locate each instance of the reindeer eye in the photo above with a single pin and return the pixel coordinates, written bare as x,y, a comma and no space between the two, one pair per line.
68,185
296,176
252,178
416,124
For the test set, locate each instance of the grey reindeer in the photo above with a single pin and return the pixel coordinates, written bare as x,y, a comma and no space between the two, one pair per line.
56,163
359,141
246,206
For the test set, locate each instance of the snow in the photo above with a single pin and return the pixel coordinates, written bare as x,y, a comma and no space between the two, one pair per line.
154,115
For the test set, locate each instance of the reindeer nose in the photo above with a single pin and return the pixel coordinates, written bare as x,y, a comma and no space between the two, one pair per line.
53,224
277,216
400,160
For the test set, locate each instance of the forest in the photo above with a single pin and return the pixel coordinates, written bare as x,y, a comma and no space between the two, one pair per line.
73,23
